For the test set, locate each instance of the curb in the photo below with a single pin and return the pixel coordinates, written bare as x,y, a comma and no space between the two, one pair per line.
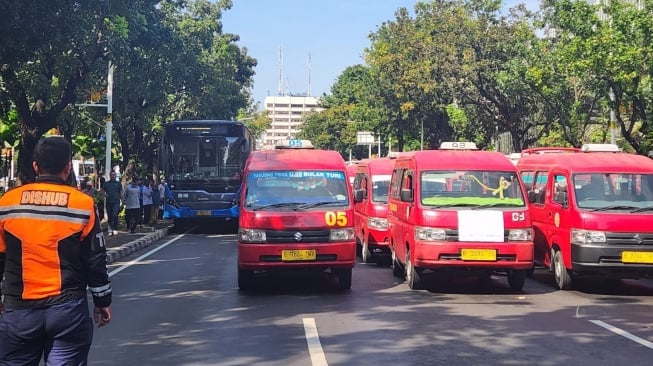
114,254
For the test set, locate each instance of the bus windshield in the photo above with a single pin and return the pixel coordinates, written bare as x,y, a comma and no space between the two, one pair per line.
204,157
296,189
471,188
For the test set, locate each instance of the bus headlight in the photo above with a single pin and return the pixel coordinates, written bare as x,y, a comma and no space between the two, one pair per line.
252,236
377,223
341,234
587,237
520,235
430,234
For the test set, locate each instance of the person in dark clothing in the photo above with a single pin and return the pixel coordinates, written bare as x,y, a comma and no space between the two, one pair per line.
113,191
47,271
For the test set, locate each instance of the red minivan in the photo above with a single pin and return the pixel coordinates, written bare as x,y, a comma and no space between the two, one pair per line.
371,186
592,210
296,213
460,210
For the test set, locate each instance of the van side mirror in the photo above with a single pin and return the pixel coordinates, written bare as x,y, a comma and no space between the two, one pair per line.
561,198
531,196
359,194
406,195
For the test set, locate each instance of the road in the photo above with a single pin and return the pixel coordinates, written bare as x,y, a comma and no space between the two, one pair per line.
177,303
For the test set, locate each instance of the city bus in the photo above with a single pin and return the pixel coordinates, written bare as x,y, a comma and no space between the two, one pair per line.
203,161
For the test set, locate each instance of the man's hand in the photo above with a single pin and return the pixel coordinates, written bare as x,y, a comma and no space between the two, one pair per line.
102,316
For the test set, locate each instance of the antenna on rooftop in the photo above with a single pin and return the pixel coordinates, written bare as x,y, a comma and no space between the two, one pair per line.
308,93
280,88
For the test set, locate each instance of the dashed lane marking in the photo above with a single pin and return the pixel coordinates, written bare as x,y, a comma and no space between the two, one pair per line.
313,341
623,333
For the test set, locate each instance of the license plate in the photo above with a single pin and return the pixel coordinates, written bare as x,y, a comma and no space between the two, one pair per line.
203,213
478,254
298,255
637,257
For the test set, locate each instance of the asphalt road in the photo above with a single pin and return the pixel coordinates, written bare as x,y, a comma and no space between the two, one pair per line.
176,302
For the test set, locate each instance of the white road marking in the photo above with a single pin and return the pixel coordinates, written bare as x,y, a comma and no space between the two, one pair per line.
623,333
313,341
134,261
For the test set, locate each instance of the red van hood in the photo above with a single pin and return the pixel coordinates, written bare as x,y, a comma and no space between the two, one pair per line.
268,220
617,221
512,219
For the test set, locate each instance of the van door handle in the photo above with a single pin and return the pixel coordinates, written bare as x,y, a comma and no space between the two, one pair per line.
550,214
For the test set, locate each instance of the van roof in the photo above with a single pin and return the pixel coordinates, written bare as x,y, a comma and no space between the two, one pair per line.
458,160
589,162
378,165
293,159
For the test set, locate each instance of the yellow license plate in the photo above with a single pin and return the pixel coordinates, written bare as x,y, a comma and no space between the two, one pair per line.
637,257
203,213
298,255
478,254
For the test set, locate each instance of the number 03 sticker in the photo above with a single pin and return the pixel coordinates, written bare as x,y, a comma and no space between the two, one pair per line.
333,218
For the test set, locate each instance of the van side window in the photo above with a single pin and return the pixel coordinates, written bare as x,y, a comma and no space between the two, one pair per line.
560,189
396,183
539,187
357,181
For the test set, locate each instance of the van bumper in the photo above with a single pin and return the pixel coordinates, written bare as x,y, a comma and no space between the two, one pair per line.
378,238
268,256
509,255
607,260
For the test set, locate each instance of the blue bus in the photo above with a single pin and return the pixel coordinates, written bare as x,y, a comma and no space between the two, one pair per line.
202,161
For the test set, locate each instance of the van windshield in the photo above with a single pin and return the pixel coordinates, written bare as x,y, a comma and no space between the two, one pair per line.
606,191
380,186
296,189
471,188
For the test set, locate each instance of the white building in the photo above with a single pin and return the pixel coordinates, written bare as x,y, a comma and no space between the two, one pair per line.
287,113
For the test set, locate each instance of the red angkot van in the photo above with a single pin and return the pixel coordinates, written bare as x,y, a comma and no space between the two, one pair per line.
371,187
592,210
458,208
296,213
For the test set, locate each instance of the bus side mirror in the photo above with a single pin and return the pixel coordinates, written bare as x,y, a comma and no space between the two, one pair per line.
359,194
406,195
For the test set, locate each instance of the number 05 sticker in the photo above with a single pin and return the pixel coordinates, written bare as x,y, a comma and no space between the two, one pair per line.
333,218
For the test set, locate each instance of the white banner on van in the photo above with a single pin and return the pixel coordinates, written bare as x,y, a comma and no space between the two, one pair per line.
480,225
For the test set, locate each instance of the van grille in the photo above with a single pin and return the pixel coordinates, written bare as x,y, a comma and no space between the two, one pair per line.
634,239
298,236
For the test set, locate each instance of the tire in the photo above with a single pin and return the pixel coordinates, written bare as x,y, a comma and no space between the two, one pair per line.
344,279
517,278
397,268
530,272
560,273
366,256
245,279
412,274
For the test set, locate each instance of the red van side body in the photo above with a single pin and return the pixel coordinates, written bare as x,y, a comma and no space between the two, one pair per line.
610,236
445,248
371,207
297,227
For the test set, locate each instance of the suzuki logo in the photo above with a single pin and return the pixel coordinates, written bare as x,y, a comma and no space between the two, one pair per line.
298,236
638,239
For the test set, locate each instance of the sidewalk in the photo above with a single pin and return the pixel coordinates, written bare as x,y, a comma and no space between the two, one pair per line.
125,243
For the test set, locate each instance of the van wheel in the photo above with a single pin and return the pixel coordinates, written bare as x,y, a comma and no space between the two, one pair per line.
562,276
412,274
397,268
344,278
366,256
245,279
530,272
516,279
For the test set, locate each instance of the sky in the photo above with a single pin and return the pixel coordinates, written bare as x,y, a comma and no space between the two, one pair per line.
334,34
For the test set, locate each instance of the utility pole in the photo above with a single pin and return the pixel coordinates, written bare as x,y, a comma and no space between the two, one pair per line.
613,117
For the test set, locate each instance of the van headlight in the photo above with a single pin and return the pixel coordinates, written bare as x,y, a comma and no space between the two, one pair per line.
377,223
430,234
520,235
251,236
587,237
345,234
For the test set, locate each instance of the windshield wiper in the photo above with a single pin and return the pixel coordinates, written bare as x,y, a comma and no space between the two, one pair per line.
497,205
643,209
316,204
277,205
616,207
453,205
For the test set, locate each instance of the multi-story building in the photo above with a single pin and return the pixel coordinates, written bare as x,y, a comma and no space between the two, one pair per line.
287,113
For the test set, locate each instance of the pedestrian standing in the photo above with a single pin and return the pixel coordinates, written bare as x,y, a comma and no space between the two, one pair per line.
113,191
147,202
133,204
156,202
162,196
51,250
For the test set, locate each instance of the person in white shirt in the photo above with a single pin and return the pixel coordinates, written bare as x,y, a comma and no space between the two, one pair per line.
147,202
